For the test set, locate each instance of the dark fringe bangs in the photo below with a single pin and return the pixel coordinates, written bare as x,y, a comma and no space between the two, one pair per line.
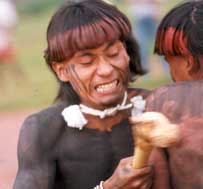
172,36
64,45
171,42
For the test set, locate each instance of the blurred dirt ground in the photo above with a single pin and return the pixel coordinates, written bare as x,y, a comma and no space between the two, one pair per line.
10,123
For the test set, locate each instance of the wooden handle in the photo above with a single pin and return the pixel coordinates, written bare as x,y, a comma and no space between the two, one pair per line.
141,154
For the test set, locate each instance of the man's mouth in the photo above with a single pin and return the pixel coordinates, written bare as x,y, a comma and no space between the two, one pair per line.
107,86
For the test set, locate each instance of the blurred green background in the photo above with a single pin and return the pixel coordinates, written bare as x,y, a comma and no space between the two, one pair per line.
34,86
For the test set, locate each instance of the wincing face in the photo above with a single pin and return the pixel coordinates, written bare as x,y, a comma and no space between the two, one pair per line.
99,76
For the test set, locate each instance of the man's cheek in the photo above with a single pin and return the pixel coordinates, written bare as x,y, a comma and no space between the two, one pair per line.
121,63
124,60
75,80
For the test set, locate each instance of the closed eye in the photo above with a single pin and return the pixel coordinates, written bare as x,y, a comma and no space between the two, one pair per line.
113,54
86,60
113,50
86,63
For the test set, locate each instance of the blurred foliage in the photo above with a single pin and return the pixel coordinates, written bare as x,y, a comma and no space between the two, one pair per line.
30,7
34,86
38,6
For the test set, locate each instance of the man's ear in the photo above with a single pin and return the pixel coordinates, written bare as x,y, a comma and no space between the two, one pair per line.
61,71
191,66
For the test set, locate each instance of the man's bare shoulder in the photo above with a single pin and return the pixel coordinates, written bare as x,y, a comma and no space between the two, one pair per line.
138,91
177,100
183,90
45,126
49,117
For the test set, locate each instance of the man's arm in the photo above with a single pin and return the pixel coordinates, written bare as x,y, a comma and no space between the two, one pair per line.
35,167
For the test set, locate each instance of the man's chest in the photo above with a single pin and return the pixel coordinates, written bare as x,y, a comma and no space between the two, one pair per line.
86,154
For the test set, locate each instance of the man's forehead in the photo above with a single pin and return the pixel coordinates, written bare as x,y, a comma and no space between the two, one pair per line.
105,46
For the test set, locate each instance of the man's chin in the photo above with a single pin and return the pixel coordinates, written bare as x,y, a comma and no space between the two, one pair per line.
108,101
111,102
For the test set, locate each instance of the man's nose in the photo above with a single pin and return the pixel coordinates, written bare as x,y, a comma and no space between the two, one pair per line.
104,68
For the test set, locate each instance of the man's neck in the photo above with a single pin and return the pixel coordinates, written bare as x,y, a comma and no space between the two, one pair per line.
107,123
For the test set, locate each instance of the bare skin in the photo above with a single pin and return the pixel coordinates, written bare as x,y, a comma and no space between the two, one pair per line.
184,68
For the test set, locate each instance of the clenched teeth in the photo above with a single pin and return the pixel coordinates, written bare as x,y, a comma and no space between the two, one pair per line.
104,87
